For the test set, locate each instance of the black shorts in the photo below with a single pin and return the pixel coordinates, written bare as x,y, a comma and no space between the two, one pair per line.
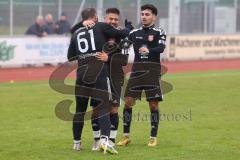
114,93
117,91
102,85
150,84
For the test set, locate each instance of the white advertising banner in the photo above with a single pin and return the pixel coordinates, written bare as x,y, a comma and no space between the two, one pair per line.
20,51
197,47
23,51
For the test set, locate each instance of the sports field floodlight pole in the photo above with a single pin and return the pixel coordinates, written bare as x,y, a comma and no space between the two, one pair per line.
11,17
59,8
139,2
205,16
236,10
40,8
79,12
121,10
174,9
100,10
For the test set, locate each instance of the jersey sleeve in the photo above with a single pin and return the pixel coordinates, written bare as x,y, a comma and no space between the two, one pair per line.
71,55
161,42
76,26
130,37
111,32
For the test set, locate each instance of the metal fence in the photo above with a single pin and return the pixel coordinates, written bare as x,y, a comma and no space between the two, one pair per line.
176,16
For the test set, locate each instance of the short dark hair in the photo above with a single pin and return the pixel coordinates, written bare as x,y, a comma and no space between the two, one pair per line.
88,13
113,10
150,7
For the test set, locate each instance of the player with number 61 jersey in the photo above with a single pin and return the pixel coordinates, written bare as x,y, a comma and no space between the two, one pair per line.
85,45
86,42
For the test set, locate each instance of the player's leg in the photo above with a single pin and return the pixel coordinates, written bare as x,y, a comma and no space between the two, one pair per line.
114,118
104,122
153,97
127,119
115,103
130,99
104,115
127,114
103,109
95,126
78,121
153,105
96,131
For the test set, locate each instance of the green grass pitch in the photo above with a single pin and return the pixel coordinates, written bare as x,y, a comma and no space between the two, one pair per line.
30,130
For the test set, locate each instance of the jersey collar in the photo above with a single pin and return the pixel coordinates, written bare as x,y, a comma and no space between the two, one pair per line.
151,27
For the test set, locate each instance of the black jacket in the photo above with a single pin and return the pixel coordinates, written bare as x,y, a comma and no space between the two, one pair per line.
62,27
50,28
35,29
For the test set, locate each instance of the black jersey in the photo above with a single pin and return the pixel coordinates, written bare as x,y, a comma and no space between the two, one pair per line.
85,41
153,38
84,45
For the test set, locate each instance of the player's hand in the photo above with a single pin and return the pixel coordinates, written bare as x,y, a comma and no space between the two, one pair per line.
128,24
102,56
144,50
88,23
45,34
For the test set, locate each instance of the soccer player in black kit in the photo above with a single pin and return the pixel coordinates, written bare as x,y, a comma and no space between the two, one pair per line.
116,60
85,46
148,43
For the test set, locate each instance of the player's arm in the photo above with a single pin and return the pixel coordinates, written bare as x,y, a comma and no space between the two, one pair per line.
131,36
72,51
161,43
112,32
86,23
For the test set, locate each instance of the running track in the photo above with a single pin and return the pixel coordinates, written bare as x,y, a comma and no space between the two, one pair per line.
43,73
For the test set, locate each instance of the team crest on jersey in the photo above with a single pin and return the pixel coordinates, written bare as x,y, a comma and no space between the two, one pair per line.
150,38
